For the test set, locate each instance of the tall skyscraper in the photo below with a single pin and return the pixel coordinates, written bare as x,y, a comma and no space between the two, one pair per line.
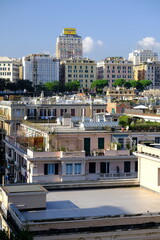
40,68
142,56
69,45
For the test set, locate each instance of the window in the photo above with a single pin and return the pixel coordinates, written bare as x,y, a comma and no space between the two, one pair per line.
157,139
63,111
136,166
104,167
121,141
100,143
72,112
92,167
69,168
51,169
77,168
113,110
42,112
127,166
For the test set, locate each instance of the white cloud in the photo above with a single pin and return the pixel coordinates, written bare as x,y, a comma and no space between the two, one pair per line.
100,42
148,43
89,44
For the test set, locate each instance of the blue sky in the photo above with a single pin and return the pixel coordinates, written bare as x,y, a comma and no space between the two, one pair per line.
108,27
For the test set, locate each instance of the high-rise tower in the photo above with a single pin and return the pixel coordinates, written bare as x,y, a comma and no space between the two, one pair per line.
69,45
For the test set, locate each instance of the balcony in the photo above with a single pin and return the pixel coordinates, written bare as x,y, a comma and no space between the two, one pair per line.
46,178
117,152
118,175
72,154
13,142
35,154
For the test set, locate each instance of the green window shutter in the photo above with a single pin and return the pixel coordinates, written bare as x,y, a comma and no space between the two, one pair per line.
45,169
100,143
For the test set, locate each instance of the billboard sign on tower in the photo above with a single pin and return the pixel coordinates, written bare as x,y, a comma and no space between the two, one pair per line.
71,31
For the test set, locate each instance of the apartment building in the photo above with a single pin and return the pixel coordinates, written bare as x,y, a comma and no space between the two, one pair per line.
113,68
9,68
141,56
148,71
74,149
82,70
40,68
120,94
12,113
70,150
69,45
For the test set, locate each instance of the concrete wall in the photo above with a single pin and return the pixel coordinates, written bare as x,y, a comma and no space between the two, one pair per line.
149,167
28,201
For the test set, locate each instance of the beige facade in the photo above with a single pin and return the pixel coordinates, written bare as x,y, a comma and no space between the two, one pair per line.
82,70
113,68
120,93
9,68
148,71
12,113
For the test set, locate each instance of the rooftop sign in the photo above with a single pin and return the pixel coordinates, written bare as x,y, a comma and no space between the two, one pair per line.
71,31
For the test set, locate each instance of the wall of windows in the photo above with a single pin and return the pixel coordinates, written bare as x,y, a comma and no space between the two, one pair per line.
73,168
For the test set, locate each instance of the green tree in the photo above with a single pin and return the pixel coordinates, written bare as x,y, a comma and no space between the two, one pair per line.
119,82
72,86
127,84
25,84
24,234
137,84
11,86
146,83
52,86
100,83
3,84
4,235
125,121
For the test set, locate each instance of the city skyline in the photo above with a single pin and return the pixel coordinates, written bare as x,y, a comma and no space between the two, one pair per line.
108,28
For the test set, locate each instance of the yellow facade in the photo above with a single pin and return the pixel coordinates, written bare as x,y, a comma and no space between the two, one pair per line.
69,31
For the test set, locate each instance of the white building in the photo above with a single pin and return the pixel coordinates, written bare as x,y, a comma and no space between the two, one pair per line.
40,68
69,45
141,56
9,68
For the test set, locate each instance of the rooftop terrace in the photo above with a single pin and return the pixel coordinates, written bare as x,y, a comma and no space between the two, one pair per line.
97,203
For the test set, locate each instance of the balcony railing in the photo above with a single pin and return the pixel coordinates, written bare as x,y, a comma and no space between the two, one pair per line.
72,154
118,175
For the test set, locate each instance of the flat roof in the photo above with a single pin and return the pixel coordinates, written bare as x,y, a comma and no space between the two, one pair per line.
96,203
23,189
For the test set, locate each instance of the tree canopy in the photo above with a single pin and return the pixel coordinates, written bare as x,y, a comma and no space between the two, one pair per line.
72,86
100,83
139,85
52,86
146,83
124,121
119,82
